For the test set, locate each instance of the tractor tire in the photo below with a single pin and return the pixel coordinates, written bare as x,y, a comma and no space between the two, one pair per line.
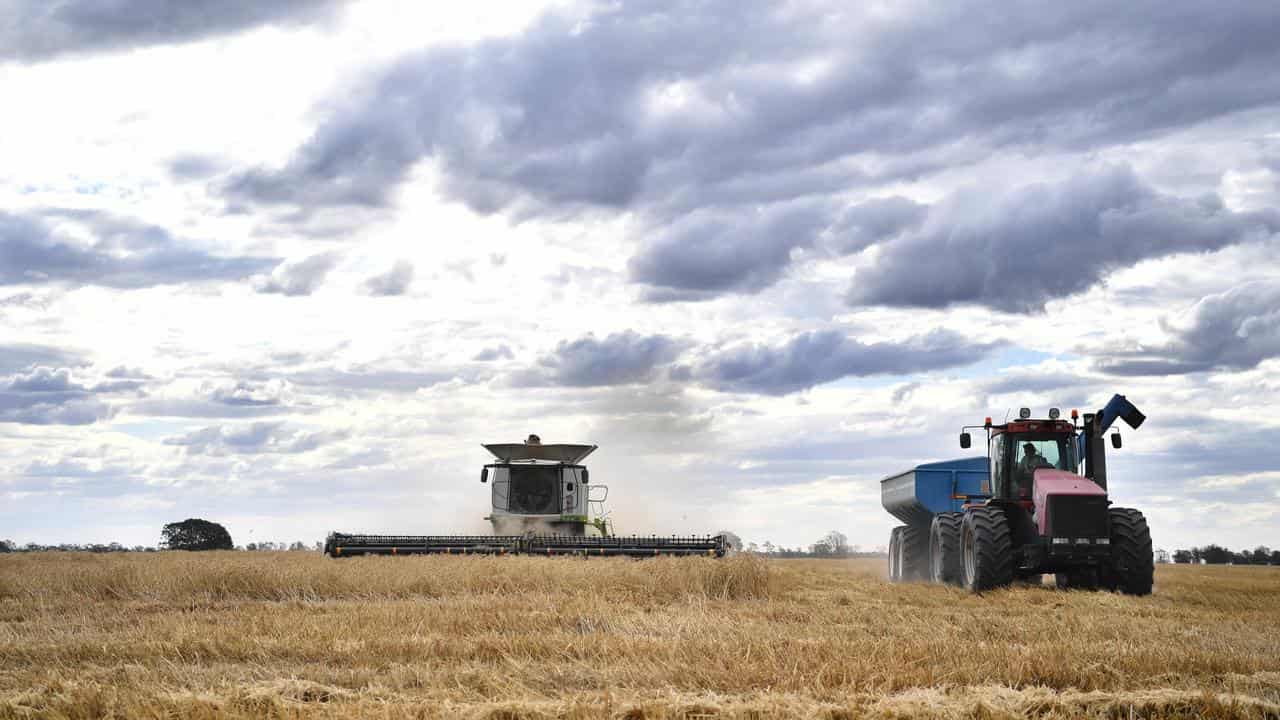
914,552
986,547
945,564
895,554
1132,568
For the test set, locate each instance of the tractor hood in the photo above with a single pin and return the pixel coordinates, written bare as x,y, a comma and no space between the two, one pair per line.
1059,482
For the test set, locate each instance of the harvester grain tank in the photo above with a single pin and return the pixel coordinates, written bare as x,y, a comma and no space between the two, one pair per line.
1036,504
542,503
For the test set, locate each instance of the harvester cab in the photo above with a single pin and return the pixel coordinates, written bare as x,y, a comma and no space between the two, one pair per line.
542,503
544,488
1041,507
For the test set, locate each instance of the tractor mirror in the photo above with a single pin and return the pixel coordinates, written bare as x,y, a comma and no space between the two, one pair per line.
965,440
586,476
1115,441
484,474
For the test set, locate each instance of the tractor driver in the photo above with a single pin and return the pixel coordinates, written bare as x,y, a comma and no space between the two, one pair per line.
1031,459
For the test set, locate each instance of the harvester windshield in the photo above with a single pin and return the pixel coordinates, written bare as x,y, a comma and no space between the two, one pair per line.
534,489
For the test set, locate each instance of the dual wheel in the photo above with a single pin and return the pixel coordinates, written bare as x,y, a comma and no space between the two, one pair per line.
974,549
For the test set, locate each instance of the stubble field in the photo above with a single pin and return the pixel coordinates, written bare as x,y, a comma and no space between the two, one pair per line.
240,635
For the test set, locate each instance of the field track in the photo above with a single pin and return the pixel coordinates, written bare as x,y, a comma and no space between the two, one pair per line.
243,635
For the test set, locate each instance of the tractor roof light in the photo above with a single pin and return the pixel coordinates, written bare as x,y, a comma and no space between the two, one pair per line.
1054,413
1075,414
986,422
1024,413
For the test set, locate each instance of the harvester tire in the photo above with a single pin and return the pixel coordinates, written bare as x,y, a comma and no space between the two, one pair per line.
895,554
914,552
945,564
987,549
1132,563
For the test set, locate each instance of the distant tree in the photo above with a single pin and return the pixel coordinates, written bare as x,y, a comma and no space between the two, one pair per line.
1275,557
1182,556
195,534
297,545
1216,554
769,548
1261,555
6,546
833,544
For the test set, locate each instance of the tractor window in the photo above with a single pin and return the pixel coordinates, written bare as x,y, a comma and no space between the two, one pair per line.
997,465
1032,452
535,490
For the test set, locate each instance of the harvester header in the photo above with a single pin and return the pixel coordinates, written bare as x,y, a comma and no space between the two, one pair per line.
542,503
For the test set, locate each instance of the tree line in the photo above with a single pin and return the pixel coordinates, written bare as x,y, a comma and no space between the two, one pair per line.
1218,555
189,534
834,544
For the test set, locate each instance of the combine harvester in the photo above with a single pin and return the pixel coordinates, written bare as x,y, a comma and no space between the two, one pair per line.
543,504
1036,504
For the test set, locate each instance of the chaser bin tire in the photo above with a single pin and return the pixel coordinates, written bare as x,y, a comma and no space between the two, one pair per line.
914,552
895,554
945,564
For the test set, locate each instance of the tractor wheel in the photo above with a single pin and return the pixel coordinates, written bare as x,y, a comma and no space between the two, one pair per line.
1132,564
914,551
945,564
895,554
986,548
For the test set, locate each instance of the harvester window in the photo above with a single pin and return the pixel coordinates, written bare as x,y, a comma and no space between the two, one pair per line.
535,490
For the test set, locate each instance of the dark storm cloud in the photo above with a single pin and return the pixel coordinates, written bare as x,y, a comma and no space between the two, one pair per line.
34,30
299,278
666,107
119,253
619,359
50,396
1234,330
393,282
1041,242
744,252
254,438
815,358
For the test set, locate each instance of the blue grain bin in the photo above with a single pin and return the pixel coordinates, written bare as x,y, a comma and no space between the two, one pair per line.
918,494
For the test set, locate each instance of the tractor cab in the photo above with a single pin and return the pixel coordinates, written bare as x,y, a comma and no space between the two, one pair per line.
1018,449
543,488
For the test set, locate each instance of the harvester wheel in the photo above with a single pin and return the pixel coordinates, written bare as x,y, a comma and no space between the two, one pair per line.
914,550
945,564
1132,564
987,549
895,554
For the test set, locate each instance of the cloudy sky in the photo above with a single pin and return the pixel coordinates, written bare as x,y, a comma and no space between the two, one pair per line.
285,264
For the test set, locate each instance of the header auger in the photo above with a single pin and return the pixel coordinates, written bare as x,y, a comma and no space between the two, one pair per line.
542,504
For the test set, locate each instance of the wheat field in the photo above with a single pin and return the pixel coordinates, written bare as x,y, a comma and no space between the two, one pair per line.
297,635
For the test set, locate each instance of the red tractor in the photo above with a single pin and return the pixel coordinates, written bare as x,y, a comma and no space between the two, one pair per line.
1040,507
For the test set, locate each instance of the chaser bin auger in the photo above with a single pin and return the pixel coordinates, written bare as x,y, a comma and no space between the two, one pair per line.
1036,504
542,504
